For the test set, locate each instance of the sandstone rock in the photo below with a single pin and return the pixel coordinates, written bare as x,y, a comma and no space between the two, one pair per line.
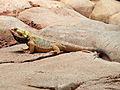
70,68
63,16
41,17
91,37
12,7
7,22
115,19
86,23
104,9
47,4
54,72
84,7
15,54
110,82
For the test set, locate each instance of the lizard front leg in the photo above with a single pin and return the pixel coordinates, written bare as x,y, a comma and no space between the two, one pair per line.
25,48
31,47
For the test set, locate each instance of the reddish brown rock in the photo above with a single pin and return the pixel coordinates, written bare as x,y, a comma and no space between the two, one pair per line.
66,17
104,9
84,7
12,7
38,17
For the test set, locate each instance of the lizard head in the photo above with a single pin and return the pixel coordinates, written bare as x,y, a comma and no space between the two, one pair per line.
20,35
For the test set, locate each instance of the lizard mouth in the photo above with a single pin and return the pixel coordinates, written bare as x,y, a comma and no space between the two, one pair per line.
19,38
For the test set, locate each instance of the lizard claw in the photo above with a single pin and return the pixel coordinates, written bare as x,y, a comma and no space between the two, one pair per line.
27,52
96,55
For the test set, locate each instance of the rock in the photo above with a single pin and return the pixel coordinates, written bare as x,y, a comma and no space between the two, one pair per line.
66,17
48,17
7,22
104,9
85,23
61,71
110,82
115,19
14,54
90,37
47,4
12,7
84,7
68,69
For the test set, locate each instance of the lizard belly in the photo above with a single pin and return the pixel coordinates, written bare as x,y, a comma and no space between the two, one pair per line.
43,49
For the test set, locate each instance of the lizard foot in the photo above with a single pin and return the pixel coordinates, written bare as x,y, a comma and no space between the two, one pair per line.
27,52
96,55
53,53
26,48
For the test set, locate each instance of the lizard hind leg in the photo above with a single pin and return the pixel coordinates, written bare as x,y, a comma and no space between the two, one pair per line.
56,49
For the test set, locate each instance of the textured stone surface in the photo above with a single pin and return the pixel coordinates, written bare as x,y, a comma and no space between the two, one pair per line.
115,19
47,4
53,72
12,7
84,7
107,40
104,9
110,82
66,17
49,17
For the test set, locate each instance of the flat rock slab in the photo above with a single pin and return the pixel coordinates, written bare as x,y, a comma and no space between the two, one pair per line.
59,72
15,54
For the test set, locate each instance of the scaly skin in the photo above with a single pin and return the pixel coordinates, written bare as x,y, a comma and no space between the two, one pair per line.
43,44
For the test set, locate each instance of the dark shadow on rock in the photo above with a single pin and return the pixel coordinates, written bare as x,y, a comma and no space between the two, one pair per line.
20,51
41,57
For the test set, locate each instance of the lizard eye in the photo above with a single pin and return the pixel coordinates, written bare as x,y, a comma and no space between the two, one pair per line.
20,34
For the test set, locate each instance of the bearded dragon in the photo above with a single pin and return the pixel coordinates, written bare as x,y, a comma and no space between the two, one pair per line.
37,43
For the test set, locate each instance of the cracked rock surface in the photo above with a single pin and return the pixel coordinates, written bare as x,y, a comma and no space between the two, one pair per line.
62,72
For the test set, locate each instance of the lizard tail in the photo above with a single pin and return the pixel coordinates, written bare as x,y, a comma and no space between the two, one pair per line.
102,53
99,50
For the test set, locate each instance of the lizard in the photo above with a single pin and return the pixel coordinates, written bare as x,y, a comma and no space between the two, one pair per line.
40,43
